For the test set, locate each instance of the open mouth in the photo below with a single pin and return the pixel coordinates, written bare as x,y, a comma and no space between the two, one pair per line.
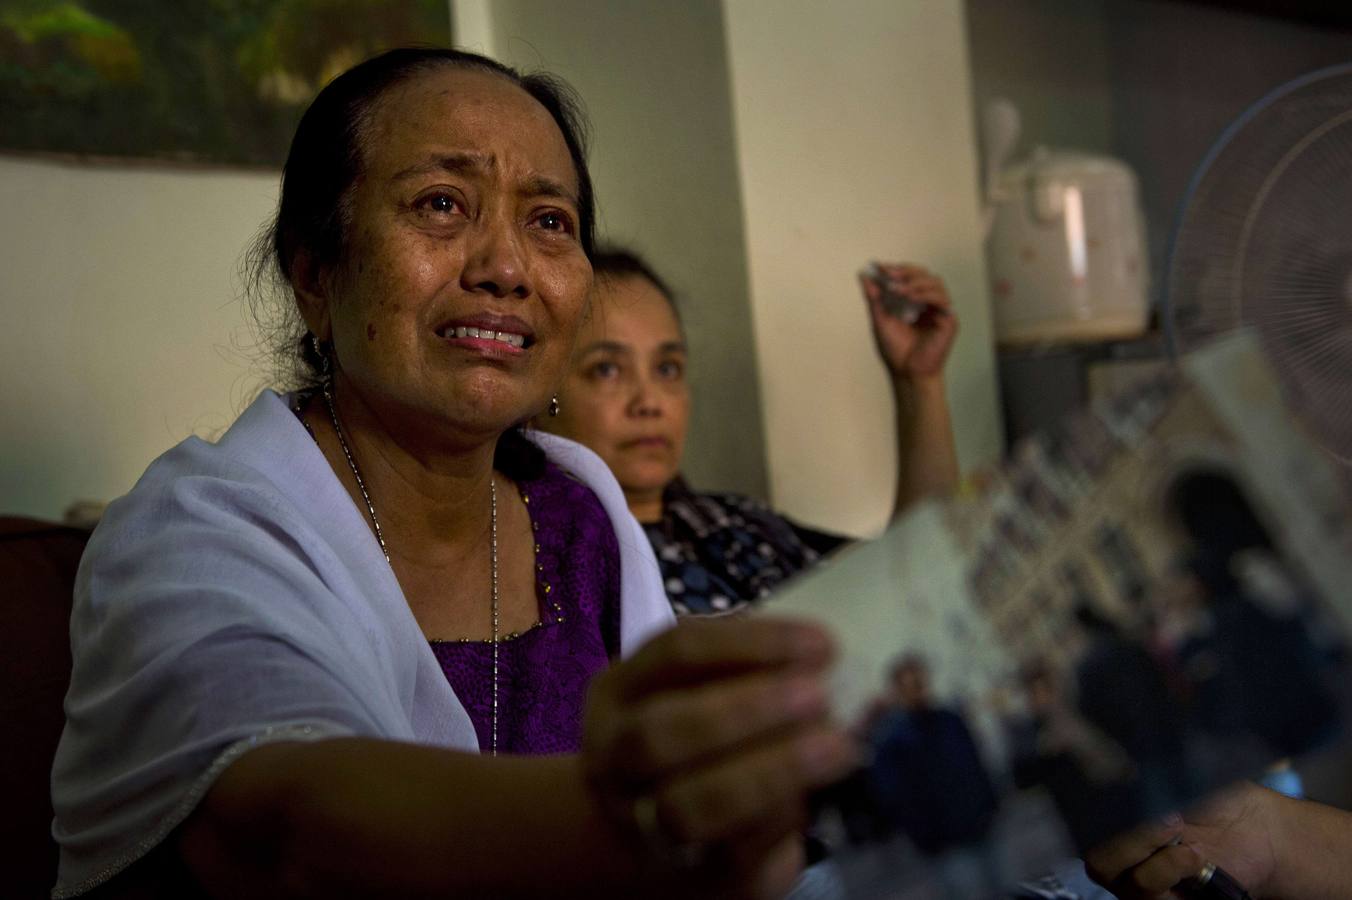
509,331
512,339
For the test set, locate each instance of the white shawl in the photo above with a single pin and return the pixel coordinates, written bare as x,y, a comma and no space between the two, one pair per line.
237,596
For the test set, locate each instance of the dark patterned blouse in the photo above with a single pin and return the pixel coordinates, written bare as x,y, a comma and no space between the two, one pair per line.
721,552
543,672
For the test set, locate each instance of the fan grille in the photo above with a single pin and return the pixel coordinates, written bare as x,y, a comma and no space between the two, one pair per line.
1265,240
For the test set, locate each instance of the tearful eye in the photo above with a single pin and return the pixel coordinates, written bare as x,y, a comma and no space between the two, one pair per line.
439,203
555,221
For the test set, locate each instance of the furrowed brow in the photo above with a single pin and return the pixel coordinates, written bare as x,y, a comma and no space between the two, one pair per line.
452,163
463,163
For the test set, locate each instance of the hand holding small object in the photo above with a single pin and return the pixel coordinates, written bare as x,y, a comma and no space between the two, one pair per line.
896,301
1178,856
912,317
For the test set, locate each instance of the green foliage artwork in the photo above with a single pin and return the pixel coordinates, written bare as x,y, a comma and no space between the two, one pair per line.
214,81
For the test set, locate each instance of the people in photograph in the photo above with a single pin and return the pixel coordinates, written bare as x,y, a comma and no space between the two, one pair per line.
931,782
1122,692
1252,665
1089,777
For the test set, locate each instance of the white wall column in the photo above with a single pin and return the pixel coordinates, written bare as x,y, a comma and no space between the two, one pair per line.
855,137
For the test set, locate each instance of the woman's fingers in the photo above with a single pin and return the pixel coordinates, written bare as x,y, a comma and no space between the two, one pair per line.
697,652
1154,878
680,729
757,869
757,792
916,283
706,743
699,694
1145,862
1109,859
931,295
776,870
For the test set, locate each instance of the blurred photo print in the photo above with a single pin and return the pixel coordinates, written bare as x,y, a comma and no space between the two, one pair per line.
1143,606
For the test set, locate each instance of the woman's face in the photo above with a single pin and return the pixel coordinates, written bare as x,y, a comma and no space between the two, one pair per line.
455,308
625,395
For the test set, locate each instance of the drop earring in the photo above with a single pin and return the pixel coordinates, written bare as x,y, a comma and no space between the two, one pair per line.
554,405
325,364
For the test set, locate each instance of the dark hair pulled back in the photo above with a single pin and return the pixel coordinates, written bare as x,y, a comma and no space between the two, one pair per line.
613,261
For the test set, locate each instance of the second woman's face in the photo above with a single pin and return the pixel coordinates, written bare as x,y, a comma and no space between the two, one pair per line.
626,395
456,307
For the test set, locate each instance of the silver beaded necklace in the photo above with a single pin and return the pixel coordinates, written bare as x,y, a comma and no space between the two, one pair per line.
380,539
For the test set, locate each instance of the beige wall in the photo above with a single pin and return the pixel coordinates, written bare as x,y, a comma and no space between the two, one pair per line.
855,132
118,287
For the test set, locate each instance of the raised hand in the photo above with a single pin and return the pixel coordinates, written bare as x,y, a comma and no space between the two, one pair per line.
917,349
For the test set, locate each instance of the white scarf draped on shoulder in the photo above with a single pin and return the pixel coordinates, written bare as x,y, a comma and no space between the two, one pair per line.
237,596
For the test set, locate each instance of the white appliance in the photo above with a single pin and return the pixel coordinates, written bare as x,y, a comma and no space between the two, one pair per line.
1066,247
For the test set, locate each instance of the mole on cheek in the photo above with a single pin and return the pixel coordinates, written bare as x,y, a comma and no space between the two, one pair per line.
370,331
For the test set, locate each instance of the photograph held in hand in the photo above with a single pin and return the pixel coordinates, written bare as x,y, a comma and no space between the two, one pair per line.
1141,608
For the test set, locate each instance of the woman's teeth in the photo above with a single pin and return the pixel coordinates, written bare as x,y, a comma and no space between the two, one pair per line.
506,337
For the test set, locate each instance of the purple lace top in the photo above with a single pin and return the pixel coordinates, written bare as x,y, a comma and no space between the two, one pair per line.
543,672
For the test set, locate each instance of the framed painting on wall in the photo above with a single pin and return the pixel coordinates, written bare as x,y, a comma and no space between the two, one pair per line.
195,81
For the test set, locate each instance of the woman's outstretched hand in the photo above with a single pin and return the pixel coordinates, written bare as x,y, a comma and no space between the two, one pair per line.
919,349
705,745
1232,830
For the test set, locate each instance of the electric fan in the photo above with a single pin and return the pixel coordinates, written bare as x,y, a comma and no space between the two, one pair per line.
1264,241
